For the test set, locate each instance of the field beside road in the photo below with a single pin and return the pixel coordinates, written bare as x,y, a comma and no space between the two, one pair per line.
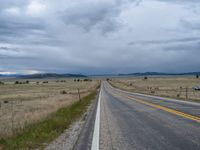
24,103
174,87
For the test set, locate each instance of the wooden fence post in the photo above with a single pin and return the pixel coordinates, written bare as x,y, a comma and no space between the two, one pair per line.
79,94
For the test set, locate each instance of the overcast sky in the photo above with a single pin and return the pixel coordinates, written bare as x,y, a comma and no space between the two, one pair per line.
99,36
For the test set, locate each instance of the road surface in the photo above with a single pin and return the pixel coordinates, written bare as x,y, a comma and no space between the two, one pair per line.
131,121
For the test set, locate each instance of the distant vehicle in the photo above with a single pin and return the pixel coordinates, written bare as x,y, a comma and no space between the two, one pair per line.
197,88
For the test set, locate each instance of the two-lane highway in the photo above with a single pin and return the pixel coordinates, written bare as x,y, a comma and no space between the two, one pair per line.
131,121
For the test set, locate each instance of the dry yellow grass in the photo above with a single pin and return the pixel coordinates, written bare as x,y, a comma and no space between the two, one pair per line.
174,87
22,104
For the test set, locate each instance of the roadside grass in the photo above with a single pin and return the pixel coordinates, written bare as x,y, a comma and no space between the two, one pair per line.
35,135
178,87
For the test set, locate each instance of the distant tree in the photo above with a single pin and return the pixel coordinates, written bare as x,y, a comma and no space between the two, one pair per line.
1,82
197,76
27,82
74,80
16,82
145,78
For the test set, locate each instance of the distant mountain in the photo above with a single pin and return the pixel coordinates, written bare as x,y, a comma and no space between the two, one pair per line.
44,75
159,73
50,75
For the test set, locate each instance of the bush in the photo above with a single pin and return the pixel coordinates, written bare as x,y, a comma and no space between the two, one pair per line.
85,80
153,92
145,78
27,82
5,102
178,95
16,82
1,82
45,82
63,92
197,76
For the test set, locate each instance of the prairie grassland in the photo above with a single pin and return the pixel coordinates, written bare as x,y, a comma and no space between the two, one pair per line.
174,87
22,104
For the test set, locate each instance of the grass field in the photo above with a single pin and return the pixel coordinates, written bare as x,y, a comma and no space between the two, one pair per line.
39,134
23,104
174,87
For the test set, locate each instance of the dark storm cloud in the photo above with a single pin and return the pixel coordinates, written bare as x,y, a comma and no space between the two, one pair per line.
92,36
90,15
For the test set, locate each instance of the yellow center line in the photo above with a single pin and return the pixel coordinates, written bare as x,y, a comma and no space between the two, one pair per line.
191,117
172,111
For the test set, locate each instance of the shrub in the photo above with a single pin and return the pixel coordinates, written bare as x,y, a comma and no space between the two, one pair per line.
16,82
63,92
45,82
5,102
178,95
85,80
152,92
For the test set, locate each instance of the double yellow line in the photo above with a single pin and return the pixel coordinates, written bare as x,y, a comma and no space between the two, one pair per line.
169,110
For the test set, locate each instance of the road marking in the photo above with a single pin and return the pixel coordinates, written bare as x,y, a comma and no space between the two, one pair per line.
191,117
95,140
156,97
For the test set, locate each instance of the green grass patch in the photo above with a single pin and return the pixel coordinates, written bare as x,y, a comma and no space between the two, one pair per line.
35,135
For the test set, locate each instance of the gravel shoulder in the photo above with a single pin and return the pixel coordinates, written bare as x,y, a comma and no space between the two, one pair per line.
72,138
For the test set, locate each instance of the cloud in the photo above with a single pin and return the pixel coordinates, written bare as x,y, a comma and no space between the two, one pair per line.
93,36
169,41
36,9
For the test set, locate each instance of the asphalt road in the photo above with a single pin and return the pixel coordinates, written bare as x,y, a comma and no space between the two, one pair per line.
130,121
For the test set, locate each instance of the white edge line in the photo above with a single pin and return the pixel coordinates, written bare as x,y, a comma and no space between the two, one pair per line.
95,140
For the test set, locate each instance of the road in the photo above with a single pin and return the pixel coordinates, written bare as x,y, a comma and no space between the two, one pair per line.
130,121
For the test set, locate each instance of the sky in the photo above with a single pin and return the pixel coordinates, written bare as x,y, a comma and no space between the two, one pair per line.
99,36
